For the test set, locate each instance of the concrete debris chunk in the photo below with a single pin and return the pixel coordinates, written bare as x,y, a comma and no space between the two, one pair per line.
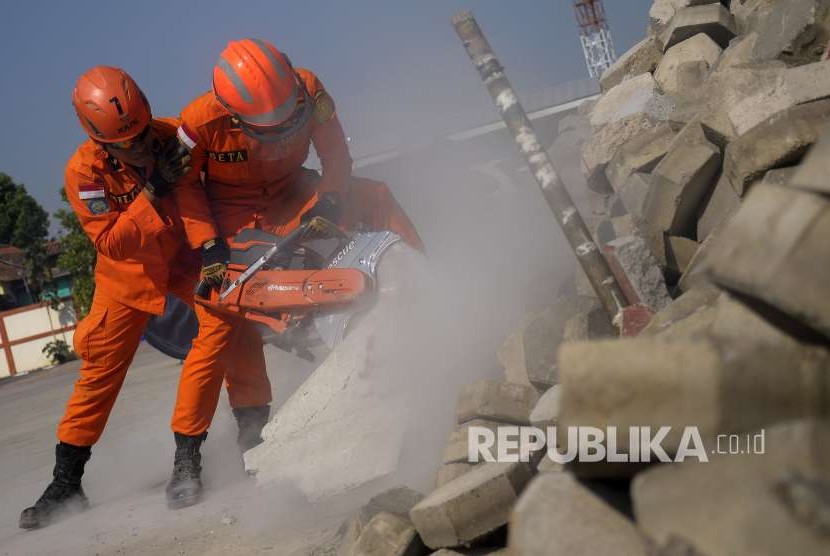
774,503
556,516
722,204
812,174
712,19
589,325
681,182
396,501
780,140
789,31
687,304
547,409
777,89
638,95
456,450
502,402
637,271
601,147
609,230
471,506
720,388
699,48
388,535
529,354
451,471
641,58
696,273
769,251
640,154
633,194
737,321
679,253
662,11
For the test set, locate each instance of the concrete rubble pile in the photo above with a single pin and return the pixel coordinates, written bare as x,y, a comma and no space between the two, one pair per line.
707,166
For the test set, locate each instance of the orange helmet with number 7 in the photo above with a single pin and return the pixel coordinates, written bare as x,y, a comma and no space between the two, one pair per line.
256,83
110,106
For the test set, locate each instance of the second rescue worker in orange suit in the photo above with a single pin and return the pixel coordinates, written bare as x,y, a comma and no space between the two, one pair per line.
251,135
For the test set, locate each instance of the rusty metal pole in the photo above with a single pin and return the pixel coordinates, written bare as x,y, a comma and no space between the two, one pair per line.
559,200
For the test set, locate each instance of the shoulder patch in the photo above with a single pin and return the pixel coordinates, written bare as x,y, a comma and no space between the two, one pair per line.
323,107
98,205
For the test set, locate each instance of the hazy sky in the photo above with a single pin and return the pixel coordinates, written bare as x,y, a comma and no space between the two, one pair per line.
394,68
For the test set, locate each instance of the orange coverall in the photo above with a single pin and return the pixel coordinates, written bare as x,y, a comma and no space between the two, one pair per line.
251,183
141,256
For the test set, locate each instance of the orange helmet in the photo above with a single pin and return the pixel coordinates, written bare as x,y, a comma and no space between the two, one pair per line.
256,83
110,105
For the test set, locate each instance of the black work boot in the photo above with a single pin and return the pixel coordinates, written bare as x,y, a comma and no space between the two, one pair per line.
64,495
185,486
250,421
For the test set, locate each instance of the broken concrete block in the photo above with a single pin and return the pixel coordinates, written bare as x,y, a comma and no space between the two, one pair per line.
789,31
812,174
541,338
699,48
601,147
633,194
640,154
684,306
779,176
502,402
456,449
638,95
681,182
712,19
780,140
746,502
722,203
451,471
739,52
471,506
778,89
637,272
641,58
556,515
388,535
547,465
547,409
662,11
679,253
589,325
681,382
396,501
609,230
736,320
769,250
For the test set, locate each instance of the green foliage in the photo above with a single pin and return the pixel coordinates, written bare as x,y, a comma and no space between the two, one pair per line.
24,224
58,352
77,257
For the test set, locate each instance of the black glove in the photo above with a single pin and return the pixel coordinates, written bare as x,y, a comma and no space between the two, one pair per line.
215,258
327,206
171,164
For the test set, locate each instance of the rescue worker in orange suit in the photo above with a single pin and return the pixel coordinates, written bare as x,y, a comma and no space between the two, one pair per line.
118,182
250,136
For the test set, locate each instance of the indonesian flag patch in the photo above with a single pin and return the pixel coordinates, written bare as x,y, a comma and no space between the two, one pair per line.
95,197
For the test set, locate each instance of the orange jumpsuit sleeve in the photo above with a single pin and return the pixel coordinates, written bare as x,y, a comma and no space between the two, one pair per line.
189,192
117,235
327,136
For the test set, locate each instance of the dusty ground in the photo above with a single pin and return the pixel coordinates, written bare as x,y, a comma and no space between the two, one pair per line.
129,467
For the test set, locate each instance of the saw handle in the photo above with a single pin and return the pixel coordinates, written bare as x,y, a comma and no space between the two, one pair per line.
202,289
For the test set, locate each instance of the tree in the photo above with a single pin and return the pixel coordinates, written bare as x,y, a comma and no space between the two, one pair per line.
24,224
77,257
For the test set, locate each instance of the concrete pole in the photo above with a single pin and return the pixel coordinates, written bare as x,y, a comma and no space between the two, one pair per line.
559,200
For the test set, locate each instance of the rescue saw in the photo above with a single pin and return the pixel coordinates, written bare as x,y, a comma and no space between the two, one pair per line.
306,288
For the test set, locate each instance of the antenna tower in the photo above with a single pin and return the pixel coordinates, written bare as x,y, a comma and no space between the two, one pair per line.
595,36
